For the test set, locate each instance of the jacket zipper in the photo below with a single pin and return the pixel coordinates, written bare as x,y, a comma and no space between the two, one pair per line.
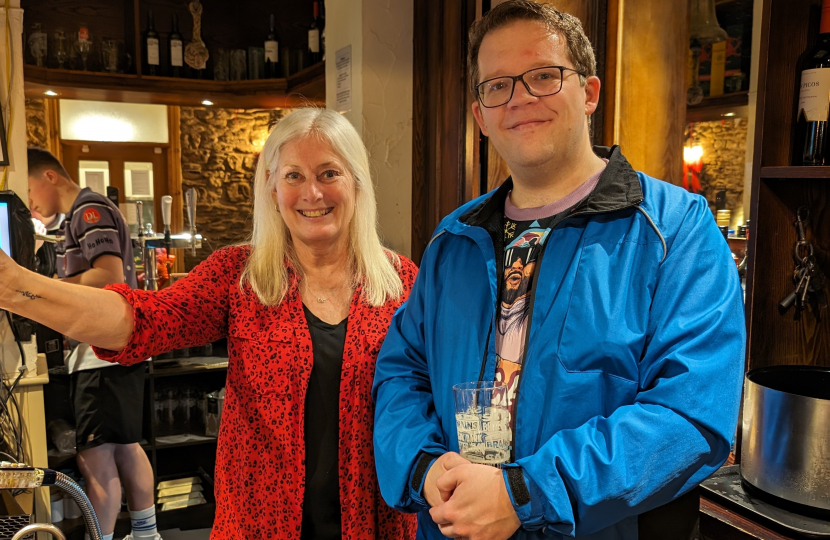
527,343
486,347
529,323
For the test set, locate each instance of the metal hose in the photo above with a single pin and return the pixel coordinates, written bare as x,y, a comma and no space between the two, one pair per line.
65,483
36,528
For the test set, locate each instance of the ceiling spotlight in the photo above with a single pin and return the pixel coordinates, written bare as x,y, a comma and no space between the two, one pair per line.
728,114
50,93
207,102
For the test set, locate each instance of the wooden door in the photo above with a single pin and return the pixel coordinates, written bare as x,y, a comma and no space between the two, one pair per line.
118,159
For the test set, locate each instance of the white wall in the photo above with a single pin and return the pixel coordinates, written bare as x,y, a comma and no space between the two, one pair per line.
17,177
380,33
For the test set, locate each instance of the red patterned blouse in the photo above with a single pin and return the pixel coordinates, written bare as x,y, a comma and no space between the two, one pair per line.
260,474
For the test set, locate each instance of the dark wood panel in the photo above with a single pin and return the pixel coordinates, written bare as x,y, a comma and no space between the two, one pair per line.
444,169
594,17
795,24
795,172
776,339
609,73
719,523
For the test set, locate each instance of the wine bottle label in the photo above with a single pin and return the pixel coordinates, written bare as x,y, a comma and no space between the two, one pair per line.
153,51
272,51
176,58
314,40
813,97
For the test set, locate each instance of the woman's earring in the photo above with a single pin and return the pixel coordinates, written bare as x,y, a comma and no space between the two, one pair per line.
277,208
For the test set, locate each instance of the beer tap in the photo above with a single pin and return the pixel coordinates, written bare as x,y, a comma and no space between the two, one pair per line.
191,198
139,207
148,254
166,210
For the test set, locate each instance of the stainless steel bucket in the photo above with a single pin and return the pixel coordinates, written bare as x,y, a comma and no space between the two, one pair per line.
785,449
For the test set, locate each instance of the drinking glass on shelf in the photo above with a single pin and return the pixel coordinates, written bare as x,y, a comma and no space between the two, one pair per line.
109,55
239,65
165,404
222,65
482,422
59,42
83,44
38,44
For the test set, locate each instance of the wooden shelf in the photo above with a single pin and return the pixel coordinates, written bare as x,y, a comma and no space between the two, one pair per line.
735,99
191,517
161,446
188,370
304,87
715,108
795,172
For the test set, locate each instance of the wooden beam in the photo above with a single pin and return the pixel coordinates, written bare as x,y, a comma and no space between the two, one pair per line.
174,180
650,101
52,107
444,159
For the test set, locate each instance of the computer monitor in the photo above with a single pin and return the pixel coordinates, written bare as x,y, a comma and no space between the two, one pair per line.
17,233
5,229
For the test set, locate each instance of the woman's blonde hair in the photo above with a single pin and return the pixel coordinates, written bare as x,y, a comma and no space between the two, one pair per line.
271,247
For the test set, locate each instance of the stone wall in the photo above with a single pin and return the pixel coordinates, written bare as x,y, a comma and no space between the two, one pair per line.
724,158
37,133
219,151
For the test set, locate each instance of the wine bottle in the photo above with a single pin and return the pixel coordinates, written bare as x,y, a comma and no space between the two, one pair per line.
272,53
813,102
314,37
151,48
176,48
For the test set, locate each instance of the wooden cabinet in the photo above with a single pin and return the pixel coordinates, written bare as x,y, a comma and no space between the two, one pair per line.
170,459
789,28
225,26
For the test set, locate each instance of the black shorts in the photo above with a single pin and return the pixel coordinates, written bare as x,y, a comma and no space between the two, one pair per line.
108,404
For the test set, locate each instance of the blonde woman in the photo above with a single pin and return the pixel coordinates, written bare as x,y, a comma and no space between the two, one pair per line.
305,307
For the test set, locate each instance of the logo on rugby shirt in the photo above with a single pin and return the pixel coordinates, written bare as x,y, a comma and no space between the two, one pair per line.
92,215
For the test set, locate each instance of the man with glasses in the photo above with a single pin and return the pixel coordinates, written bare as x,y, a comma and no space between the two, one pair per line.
605,300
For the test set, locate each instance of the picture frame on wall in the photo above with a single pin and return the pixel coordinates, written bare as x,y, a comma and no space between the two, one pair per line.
4,153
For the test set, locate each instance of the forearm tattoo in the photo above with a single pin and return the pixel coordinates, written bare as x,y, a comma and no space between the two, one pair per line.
30,295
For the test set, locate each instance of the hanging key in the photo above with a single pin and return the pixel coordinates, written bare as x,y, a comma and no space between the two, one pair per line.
791,298
817,288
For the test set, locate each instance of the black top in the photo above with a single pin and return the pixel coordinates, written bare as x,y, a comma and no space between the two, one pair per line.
321,503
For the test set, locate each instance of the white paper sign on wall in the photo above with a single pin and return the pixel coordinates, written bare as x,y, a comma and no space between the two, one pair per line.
343,62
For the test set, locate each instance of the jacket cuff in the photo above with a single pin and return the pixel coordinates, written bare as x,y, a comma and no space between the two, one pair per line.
526,497
419,476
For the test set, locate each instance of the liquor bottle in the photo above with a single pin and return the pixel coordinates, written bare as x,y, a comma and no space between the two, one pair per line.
151,48
83,44
314,36
813,102
176,49
272,53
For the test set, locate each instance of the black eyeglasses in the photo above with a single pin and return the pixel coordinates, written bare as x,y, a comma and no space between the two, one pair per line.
540,82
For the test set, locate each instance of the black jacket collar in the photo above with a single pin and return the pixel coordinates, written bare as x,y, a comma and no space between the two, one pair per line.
618,187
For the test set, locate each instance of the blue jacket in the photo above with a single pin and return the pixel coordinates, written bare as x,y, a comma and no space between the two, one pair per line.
631,383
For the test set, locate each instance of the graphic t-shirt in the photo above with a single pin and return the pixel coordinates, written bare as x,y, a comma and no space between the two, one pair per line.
93,227
526,231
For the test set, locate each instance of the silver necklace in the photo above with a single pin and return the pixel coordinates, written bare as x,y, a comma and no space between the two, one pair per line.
319,298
